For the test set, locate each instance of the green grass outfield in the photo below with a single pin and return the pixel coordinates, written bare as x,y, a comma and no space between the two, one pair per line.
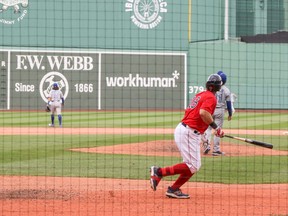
49,155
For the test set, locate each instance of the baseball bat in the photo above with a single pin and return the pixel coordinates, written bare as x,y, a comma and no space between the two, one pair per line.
254,142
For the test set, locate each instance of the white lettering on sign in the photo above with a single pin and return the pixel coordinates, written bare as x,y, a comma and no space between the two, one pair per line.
28,62
22,16
146,14
18,9
20,87
84,87
195,89
7,22
147,82
71,63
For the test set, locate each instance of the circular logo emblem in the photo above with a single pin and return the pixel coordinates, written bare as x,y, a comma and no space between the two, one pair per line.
47,81
146,13
12,11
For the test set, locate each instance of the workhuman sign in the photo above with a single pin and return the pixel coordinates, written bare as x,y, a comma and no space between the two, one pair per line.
94,80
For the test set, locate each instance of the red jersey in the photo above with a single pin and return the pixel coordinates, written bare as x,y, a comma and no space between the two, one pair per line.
204,100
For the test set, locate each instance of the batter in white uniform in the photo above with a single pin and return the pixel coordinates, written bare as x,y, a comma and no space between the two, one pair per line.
187,135
55,102
223,100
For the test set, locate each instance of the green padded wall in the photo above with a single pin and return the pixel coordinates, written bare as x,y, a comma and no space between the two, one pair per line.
257,73
96,24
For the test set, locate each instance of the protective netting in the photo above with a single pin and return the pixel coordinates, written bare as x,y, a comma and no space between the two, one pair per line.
129,105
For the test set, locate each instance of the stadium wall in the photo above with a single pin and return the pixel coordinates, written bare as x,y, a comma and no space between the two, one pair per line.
126,46
96,24
257,73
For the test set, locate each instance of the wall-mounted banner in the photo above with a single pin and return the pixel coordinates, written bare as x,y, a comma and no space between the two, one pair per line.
143,81
95,80
33,74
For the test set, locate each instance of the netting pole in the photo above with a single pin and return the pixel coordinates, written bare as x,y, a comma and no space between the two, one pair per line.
226,20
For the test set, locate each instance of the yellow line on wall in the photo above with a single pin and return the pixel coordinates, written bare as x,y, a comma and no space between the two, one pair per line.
189,19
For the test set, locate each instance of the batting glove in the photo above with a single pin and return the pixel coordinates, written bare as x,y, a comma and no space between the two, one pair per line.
219,132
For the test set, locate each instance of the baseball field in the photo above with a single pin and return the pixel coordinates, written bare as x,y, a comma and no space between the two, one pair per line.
98,164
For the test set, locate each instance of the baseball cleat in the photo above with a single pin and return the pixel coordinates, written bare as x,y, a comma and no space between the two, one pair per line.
218,153
154,177
51,125
206,148
177,194
206,151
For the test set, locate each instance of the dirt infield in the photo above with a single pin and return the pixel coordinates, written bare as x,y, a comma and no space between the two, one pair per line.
89,196
79,196
168,148
43,131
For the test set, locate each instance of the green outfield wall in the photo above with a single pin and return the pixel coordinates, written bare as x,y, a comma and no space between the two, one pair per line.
97,24
136,54
134,24
257,73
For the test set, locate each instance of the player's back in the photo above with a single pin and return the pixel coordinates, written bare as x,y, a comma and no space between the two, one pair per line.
204,100
222,96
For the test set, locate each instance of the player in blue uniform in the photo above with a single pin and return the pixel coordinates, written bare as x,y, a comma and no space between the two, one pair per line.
55,102
223,101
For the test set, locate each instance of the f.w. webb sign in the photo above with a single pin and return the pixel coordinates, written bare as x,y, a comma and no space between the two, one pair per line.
98,80
55,62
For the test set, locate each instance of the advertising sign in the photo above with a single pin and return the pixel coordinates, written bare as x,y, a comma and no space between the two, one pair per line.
94,80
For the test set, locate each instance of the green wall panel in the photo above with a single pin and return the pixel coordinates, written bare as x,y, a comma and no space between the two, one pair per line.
257,73
97,24
207,20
